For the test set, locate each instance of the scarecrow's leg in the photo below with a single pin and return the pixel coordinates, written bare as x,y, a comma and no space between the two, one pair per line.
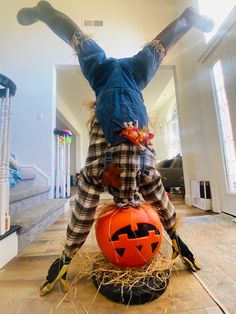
79,226
57,21
144,65
188,19
153,192
89,53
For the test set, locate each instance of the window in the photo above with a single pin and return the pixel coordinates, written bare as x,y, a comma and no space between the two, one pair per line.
226,134
217,10
173,132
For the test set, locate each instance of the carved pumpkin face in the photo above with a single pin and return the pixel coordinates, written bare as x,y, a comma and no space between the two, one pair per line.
129,237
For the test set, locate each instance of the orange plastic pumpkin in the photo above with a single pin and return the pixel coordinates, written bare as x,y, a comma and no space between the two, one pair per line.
129,237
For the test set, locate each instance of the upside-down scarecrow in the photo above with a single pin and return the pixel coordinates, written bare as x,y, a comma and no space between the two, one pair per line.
119,155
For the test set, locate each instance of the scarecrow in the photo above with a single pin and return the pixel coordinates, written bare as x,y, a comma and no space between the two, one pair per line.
119,154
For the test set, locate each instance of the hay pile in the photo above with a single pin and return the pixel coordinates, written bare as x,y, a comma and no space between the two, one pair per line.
95,265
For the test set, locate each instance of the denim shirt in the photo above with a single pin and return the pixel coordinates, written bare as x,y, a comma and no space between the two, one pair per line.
117,84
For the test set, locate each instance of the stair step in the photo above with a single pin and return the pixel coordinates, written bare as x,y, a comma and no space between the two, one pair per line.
35,219
24,193
27,181
26,197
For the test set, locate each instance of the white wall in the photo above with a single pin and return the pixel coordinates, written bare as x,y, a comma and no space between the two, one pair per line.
28,55
224,49
185,56
161,136
200,142
28,59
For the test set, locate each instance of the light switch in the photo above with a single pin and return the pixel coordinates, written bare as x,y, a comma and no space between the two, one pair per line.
40,116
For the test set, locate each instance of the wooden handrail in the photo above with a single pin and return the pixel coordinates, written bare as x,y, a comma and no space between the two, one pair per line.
7,84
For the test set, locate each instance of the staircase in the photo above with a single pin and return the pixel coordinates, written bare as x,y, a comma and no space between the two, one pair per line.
32,210
26,209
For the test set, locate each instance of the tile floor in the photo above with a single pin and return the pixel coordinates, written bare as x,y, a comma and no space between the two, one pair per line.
20,280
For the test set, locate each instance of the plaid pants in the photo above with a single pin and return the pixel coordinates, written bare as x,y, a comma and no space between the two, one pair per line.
140,176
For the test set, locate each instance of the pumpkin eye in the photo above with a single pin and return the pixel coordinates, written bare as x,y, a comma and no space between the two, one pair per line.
120,252
139,247
154,245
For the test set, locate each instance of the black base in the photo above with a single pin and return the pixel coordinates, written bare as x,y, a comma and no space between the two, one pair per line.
148,290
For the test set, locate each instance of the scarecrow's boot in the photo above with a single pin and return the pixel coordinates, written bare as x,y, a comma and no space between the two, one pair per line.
180,248
57,21
56,273
175,30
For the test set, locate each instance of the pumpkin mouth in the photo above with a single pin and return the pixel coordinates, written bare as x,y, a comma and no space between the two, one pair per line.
121,251
142,231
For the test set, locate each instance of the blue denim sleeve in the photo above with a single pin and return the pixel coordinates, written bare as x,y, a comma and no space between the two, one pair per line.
144,65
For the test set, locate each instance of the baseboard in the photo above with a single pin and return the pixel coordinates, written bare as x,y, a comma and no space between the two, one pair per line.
188,200
67,205
8,246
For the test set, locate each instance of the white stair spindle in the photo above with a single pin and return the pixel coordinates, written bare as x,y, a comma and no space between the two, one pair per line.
68,169
2,179
57,167
7,159
4,163
62,168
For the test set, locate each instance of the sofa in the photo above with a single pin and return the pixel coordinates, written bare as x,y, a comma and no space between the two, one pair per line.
171,171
